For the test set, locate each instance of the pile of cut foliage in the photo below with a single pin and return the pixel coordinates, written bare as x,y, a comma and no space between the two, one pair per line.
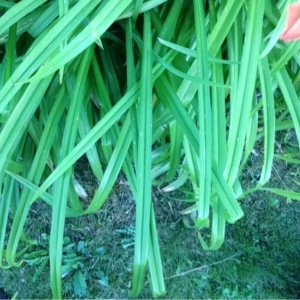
166,93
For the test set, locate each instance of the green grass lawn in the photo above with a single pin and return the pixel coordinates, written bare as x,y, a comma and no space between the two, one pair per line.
259,258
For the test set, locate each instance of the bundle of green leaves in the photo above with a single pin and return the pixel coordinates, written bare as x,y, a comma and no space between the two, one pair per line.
166,92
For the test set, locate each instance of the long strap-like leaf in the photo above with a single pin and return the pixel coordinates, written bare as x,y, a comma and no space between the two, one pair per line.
143,201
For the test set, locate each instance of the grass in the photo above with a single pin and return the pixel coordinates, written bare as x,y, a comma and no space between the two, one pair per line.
162,109
257,259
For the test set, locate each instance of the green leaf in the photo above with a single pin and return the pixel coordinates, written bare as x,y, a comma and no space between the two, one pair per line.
79,284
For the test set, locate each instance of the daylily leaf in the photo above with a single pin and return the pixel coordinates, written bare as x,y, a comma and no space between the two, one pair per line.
292,26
